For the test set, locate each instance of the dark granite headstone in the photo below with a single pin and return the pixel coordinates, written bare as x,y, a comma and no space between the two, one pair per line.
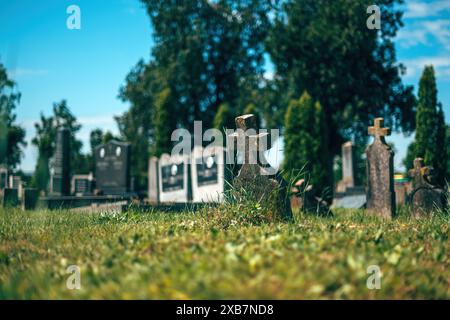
425,196
30,198
3,177
82,184
112,168
60,172
10,197
252,177
380,173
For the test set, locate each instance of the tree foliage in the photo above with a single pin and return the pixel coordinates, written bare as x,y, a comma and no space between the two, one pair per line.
224,118
430,140
45,141
12,136
306,146
325,47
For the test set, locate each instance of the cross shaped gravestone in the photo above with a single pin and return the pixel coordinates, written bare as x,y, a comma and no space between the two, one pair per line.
380,173
254,178
425,196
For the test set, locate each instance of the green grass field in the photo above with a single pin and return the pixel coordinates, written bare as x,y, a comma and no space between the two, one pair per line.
198,256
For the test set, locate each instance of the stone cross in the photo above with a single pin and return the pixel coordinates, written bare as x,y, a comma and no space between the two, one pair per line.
378,130
425,197
269,190
380,173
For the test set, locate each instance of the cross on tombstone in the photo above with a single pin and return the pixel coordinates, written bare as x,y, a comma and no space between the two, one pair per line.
425,196
253,177
380,173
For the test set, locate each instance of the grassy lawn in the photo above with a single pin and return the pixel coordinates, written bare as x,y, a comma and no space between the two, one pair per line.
196,256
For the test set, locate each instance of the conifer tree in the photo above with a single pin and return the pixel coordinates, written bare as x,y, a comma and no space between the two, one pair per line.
430,140
224,118
163,123
306,145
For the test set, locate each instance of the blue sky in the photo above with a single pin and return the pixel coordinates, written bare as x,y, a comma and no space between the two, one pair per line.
86,67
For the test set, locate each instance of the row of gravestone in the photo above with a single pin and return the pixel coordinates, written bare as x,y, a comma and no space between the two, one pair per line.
112,170
202,176
13,193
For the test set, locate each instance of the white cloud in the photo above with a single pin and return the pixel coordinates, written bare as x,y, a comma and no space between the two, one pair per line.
24,72
440,63
416,9
421,32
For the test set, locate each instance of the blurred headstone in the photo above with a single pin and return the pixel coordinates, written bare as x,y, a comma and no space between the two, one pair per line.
254,178
30,198
209,175
10,198
174,179
3,177
112,168
60,171
153,180
380,173
82,184
348,169
425,197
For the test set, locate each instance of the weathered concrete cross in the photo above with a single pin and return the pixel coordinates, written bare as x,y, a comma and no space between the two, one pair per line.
378,130
251,141
420,173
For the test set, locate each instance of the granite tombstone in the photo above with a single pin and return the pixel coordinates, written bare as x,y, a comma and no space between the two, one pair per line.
112,168
174,179
209,174
425,197
60,168
380,173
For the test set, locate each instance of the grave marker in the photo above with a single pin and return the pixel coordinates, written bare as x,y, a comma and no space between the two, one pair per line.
174,181
30,198
380,173
348,170
425,196
60,171
10,197
82,184
3,177
209,176
153,180
112,168
253,177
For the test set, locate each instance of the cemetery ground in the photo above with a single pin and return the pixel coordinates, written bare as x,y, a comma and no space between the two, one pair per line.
222,253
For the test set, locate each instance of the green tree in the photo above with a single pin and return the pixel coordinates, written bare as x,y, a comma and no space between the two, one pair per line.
45,141
408,162
430,140
325,47
442,146
251,109
224,118
209,53
164,123
305,143
12,136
